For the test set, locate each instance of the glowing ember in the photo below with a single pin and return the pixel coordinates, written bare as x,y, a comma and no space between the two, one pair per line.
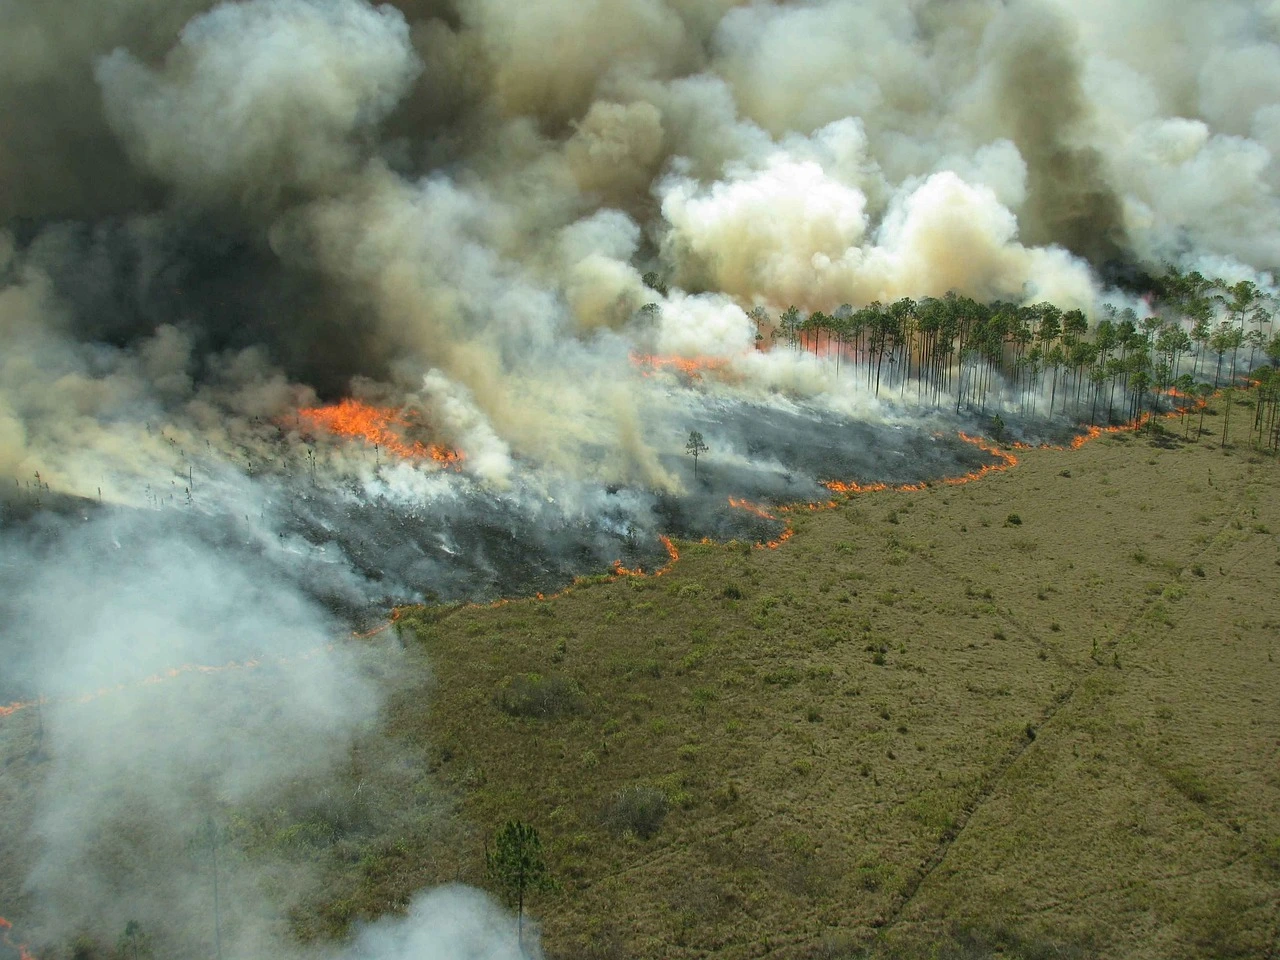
381,426
673,556
739,504
693,368
754,508
1093,433
5,928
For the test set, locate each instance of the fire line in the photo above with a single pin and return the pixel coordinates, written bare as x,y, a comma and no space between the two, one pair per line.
338,414
381,426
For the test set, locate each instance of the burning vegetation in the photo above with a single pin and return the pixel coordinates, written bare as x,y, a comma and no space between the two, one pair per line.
713,270
388,429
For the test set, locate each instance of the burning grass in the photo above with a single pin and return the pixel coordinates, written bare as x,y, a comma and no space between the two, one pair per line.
6,929
898,798
383,427
692,368
904,724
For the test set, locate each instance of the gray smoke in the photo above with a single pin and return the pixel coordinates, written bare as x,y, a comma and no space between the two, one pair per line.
216,215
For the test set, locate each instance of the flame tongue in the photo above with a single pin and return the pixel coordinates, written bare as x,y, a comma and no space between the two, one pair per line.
382,426
5,927
691,367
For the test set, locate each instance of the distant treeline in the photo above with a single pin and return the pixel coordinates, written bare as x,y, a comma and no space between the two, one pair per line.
1202,333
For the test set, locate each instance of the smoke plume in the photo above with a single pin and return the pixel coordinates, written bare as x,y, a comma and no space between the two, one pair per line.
535,245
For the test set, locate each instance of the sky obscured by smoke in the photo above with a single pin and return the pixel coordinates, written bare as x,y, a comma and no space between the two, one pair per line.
213,215
296,192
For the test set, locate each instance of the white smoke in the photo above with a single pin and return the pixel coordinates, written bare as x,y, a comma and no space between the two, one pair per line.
214,213
449,923
261,97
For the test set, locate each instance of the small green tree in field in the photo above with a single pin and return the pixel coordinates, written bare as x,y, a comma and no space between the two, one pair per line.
516,866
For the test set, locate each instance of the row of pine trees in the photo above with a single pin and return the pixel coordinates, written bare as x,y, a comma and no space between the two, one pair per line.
1200,334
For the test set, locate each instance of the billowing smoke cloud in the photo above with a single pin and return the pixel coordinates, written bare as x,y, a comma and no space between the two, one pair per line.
216,217
261,98
140,612
451,923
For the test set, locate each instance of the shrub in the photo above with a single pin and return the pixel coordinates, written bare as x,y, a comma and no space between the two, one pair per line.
783,677
1013,520
544,697
731,592
636,810
1188,783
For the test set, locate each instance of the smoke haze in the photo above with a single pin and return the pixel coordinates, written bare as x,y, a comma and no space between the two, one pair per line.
215,216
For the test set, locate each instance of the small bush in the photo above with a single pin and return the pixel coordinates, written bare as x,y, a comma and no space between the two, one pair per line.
726,795
731,592
783,677
544,697
1188,783
1013,520
636,810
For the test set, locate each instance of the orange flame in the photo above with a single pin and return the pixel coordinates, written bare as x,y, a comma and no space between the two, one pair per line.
382,426
739,504
5,928
673,557
754,508
693,367
1094,432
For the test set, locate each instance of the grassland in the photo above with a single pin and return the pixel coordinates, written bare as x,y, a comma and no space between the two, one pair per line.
1031,716
1034,715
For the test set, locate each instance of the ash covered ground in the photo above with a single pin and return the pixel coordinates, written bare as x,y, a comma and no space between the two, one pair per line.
402,531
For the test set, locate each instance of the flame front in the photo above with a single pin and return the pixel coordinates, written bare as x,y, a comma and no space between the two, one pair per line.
693,368
381,426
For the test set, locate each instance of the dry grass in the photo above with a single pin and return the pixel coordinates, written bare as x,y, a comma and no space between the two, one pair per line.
914,725
917,729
